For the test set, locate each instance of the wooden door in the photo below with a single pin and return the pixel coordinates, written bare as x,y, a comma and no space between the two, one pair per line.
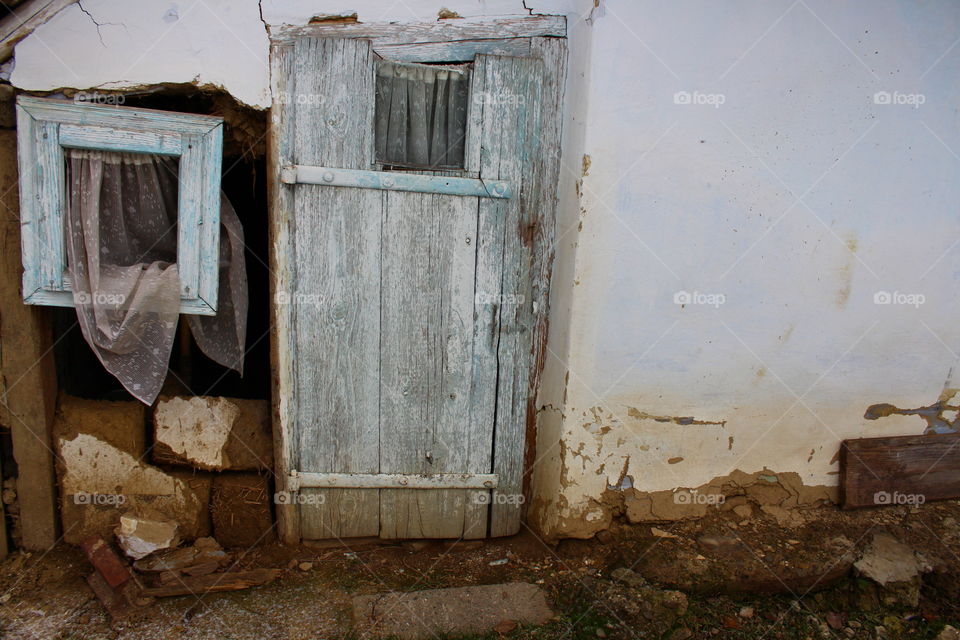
405,316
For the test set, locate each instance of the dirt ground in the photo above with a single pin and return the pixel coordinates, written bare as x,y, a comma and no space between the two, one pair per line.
743,576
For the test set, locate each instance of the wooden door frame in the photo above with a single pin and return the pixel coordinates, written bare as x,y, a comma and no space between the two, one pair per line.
446,40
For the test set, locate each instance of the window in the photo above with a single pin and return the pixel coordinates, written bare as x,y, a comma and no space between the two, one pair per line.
421,115
49,132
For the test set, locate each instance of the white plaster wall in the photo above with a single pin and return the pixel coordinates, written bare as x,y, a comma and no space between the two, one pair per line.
797,198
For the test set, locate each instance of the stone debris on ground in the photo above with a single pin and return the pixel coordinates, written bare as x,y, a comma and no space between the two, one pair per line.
204,567
659,607
461,610
894,567
949,633
139,537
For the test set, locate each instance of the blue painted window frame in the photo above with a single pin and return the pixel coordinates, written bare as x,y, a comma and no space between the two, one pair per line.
45,127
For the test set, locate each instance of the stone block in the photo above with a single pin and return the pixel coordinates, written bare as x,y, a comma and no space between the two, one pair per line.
119,424
213,433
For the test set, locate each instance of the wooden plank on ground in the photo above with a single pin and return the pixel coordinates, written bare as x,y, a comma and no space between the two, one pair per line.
213,583
899,470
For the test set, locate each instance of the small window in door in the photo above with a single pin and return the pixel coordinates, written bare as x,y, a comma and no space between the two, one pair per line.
421,115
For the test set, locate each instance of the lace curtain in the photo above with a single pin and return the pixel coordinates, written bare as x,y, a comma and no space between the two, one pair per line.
421,115
122,252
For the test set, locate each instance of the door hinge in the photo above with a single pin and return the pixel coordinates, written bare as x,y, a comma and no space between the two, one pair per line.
297,480
395,181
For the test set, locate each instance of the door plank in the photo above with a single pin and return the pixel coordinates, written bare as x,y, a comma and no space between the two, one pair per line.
509,146
280,142
336,300
427,315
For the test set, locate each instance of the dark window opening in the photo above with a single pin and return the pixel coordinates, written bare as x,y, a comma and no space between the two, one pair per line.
190,372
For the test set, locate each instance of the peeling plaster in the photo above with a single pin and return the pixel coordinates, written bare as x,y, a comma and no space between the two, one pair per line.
941,416
633,412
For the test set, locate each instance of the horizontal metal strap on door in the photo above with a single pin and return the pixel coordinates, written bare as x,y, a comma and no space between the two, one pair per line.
395,181
307,480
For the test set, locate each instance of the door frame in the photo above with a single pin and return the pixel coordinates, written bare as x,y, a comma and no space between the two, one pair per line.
541,37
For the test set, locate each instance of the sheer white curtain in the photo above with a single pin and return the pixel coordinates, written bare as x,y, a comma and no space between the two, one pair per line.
122,252
421,115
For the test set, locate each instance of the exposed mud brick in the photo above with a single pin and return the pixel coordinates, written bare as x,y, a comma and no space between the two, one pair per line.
213,433
201,483
99,483
120,424
240,508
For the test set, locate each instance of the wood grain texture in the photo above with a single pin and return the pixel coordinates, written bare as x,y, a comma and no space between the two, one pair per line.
442,31
280,141
213,583
460,51
398,181
28,380
884,471
428,257
335,290
397,480
542,223
510,141
109,139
